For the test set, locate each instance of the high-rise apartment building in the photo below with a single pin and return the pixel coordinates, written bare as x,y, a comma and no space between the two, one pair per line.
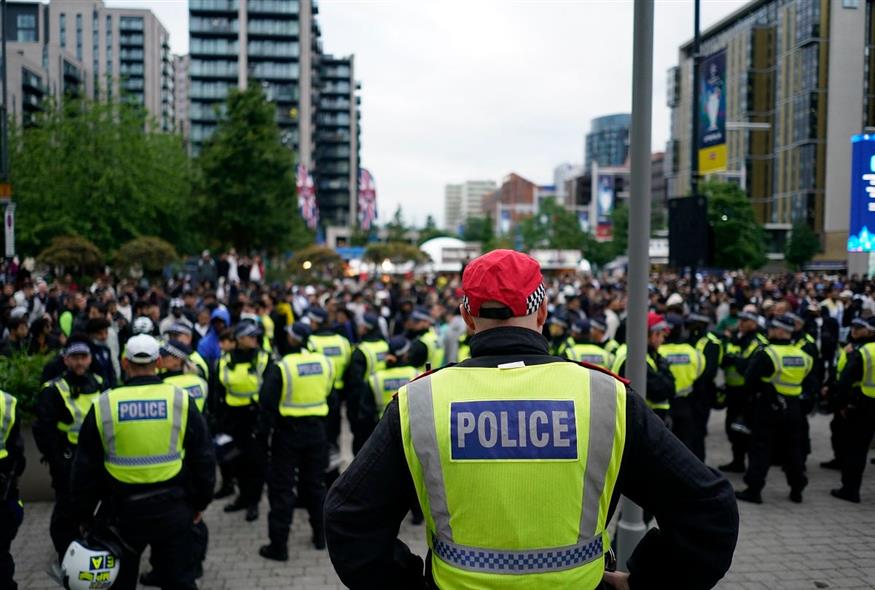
182,124
125,52
802,72
607,142
276,43
462,201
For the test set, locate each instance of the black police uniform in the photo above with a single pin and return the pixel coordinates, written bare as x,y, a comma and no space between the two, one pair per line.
859,410
739,402
660,382
160,514
298,459
777,426
693,503
810,387
11,467
58,451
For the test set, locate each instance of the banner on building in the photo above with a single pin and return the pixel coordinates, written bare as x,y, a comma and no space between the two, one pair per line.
605,197
307,197
367,199
9,223
860,237
712,114
504,220
583,220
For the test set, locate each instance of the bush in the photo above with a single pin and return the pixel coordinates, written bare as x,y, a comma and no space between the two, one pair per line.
72,252
147,253
397,252
20,376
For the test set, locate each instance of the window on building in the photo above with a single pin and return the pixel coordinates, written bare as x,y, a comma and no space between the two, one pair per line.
26,25
63,32
78,36
109,46
850,3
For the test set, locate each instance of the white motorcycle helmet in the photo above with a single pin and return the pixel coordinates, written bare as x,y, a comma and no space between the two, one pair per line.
142,325
90,565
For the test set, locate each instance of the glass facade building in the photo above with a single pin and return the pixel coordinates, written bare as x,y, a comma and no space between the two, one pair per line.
607,142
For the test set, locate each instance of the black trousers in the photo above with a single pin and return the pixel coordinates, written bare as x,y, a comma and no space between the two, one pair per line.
248,468
838,435
296,475
8,529
63,526
337,398
165,525
777,427
687,424
738,408
860,430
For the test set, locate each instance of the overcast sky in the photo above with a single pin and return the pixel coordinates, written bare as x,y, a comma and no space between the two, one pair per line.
474,89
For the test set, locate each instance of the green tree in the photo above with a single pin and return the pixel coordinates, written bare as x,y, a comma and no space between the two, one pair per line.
397,252
620,229
147,253
430,230
802,246
246,188
396,231
552,226
739,241
72,253
97,169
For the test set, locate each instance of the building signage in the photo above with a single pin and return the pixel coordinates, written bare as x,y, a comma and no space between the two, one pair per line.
712,114
860,237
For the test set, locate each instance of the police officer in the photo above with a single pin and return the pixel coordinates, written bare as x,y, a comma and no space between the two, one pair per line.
687,365
368,357
426,350
63,404
861,333
515,452
739,403
385,383
11,467
182,332
775,376
557,333
711,347
598,333
855,401
813,382
239,376
660,380
145,454
584,349
338,351
294,404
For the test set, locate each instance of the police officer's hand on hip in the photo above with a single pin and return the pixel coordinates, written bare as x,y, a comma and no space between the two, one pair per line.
518,459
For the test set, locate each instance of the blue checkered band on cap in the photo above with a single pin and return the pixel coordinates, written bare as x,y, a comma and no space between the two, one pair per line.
497,561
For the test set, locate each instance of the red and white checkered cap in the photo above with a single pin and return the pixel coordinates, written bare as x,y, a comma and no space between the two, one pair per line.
507,277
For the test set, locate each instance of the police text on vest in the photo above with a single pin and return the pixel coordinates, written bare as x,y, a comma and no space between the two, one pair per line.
513,430
142,410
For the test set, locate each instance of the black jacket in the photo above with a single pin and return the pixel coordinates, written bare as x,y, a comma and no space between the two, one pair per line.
90,482
694,505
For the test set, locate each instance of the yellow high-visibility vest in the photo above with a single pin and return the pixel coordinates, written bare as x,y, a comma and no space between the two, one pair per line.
307,382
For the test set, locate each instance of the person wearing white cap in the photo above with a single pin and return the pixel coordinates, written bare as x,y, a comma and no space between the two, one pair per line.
61,409
776,373
146,456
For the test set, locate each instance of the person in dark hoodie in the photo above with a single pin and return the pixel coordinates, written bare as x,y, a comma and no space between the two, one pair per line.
368,357
101,355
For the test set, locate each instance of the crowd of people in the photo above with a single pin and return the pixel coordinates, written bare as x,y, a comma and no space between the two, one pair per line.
270,370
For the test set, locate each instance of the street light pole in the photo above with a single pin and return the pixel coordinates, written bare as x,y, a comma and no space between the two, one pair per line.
4,156
631,528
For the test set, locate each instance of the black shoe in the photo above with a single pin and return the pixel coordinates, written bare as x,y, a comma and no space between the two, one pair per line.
733,467
235,506
319,540
274,552
796,496
226,490
749,495
832,464
843,494
252,514
150,579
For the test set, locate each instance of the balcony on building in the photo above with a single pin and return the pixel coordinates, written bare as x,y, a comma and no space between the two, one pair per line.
221,26
214,69
271,28
213,47
214,6
273,7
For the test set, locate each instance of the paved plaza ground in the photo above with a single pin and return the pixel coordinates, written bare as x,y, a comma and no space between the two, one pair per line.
822,543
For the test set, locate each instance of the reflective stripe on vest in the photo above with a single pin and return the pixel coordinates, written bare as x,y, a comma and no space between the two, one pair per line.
710,338
590,353
791,367
193,385
241,385
337,350
142,441
386,383
867,385
7,420
307,382
463,496
686,363
619,367
77,407
375,355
